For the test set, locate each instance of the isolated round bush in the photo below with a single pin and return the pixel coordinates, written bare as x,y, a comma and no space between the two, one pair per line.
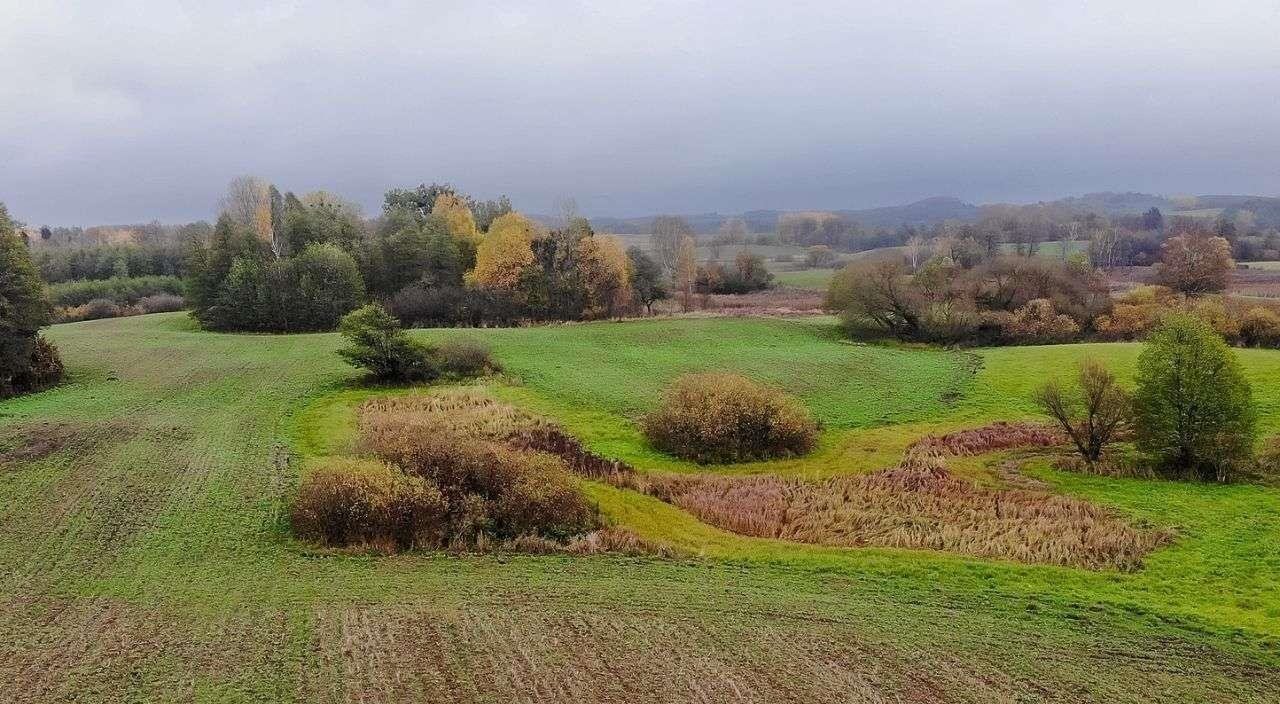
714,418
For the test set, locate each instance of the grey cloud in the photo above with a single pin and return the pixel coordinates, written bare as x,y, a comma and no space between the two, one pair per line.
120,112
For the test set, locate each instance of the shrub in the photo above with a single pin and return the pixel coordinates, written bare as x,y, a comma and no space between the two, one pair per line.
712,418
465,357
353,502
95,309
1090,415
489,489
378,345
43,370
1193,407
1038,323
162,303
1260,327
119,290
1266,467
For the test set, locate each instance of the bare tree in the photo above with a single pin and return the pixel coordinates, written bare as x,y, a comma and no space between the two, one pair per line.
668,232
248,203
1092,414
686,269
915,247
734,231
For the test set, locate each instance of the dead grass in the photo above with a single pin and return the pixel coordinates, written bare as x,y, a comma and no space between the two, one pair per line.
918,504
919,508
991,438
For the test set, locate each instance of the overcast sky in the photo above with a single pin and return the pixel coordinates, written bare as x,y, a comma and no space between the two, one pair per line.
132,111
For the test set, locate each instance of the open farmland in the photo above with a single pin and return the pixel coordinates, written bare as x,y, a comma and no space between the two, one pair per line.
145,554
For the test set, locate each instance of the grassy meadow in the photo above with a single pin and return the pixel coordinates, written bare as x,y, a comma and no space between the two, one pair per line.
145,554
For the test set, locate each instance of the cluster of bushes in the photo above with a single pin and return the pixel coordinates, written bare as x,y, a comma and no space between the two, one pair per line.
1191,413
106,308
1004,300
427,483
116,297
121,291
378,345
1245,322
28,362
716,418
747,275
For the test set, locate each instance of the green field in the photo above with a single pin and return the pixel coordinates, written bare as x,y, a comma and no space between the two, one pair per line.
814,279
144,555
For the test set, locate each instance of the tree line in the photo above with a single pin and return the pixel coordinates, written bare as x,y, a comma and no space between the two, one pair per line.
435,256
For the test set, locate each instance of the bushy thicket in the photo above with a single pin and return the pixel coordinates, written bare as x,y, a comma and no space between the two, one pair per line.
1005,300
27,361
106,308
431,483
717,418
748,274
121,291
1240,321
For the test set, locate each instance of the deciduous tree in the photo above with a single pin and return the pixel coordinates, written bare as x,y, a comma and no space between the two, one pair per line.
1193,407
1092,413
1195,263
504,253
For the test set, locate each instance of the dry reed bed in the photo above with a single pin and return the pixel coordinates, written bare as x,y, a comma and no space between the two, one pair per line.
918,504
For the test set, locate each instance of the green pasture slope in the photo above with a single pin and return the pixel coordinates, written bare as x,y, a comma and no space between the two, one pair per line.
144,554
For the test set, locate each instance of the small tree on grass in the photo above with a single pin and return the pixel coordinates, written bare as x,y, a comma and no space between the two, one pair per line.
1091,414
378,344
1193,407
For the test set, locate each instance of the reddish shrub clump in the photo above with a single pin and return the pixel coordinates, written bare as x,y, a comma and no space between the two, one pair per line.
996,436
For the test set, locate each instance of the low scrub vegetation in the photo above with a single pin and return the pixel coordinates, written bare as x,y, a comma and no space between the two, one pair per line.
122,291
717,418
993,437
442,474
918,504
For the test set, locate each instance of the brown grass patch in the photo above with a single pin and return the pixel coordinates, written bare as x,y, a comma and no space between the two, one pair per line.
917,505
913,507
30,442
991,438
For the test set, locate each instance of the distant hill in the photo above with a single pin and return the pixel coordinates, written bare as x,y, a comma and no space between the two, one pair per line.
925,212
1112,203
931,211
921,213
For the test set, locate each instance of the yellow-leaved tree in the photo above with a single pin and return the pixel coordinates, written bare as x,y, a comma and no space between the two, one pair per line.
503,253
605,269
460,223
457,217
